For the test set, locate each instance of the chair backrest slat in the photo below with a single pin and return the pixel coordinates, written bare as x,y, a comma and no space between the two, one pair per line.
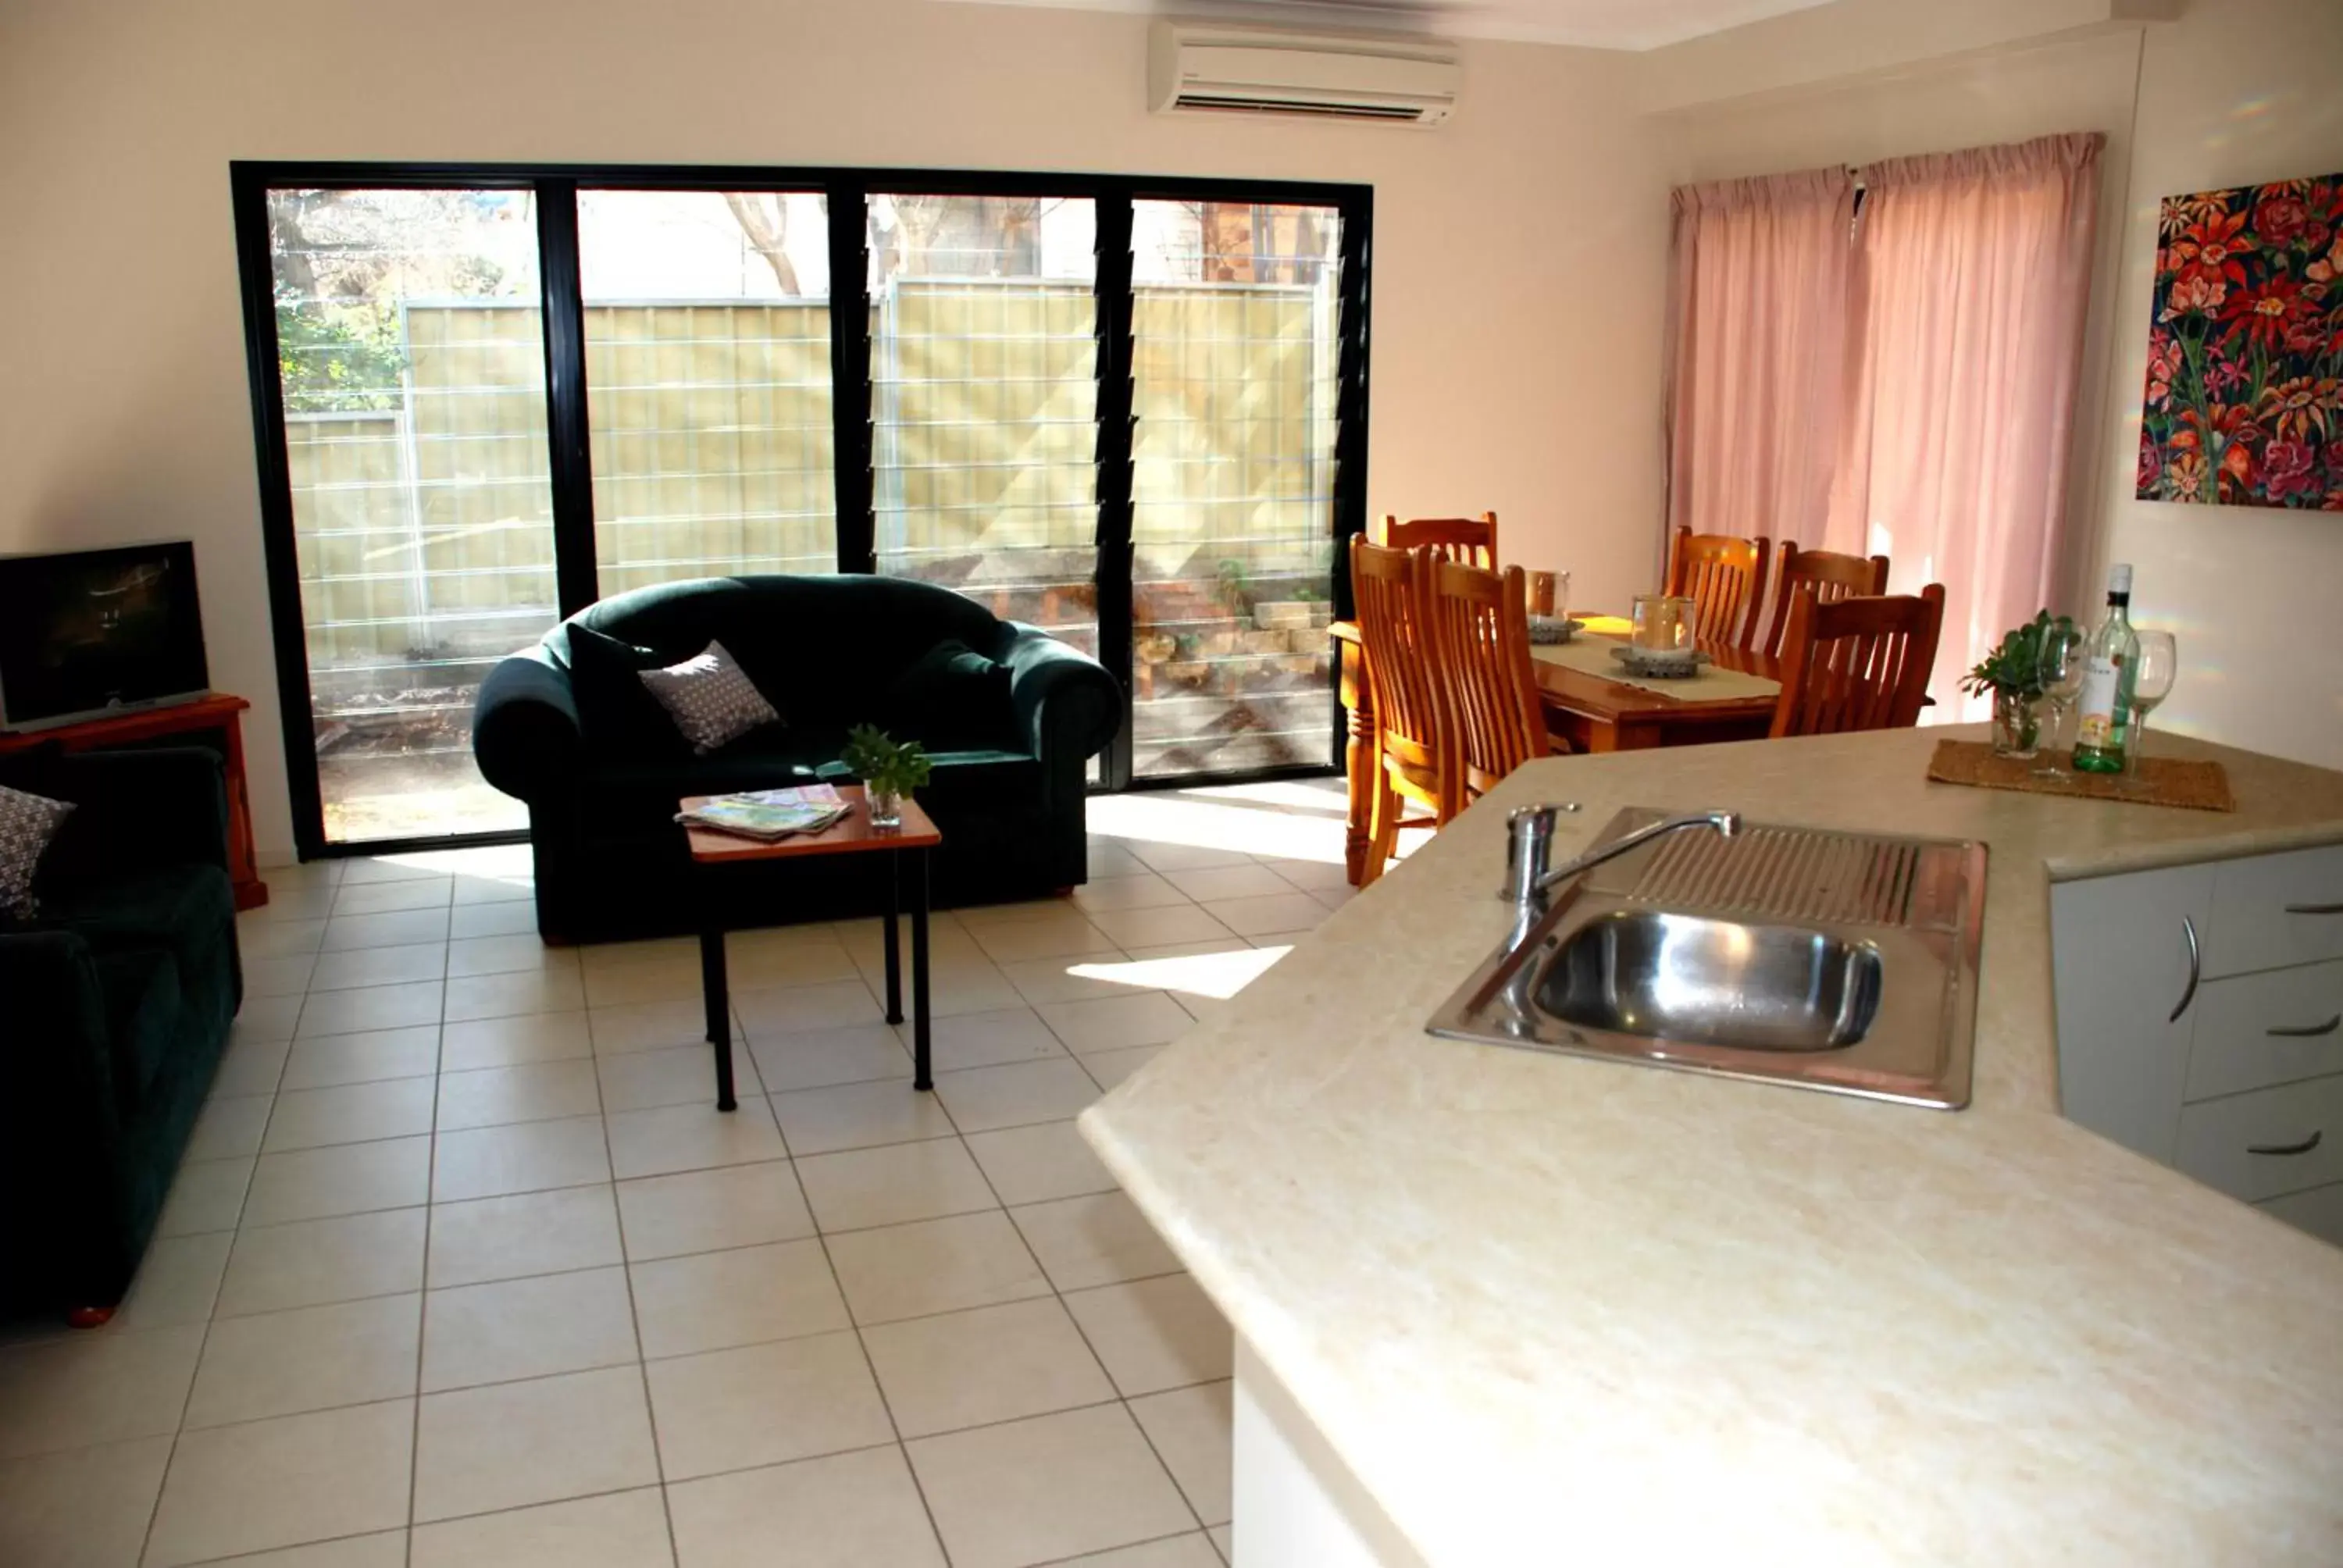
1481,636
1832,576
1472,540
1725,579
1858,663
1387,589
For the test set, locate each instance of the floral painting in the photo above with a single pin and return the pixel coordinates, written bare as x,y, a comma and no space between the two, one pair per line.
2245,357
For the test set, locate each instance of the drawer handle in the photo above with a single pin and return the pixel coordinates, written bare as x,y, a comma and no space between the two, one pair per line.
2314,909
2309,1030
2305,1147
2196,966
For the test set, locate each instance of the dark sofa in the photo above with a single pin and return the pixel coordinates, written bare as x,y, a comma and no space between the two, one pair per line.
602,776
115,1004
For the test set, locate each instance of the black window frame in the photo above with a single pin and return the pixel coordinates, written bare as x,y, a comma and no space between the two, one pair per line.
846,189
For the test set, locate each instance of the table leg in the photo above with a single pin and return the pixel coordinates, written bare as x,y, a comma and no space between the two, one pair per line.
894,941
922,1078
719,1011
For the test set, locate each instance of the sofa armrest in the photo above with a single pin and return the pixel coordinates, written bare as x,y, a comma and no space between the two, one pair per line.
139,806
525,731
56,1025
1062,697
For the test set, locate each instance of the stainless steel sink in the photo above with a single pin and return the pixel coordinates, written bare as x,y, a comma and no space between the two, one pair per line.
1828,960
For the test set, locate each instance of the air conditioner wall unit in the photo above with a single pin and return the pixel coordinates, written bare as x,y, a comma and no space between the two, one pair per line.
1204,68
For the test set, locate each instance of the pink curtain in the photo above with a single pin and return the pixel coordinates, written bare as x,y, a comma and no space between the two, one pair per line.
1757,324
1972,275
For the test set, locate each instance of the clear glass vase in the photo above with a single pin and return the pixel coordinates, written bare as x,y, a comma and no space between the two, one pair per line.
886,806
2016,726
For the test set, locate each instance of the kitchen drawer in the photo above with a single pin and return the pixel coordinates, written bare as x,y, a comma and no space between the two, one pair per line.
2251,927
2234,1049
2319,1211
2217,1137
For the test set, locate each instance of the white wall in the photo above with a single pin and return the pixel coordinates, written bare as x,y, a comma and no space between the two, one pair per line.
2237,92
1517,268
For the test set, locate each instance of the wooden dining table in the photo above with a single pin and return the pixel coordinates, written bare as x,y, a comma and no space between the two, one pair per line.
1589,712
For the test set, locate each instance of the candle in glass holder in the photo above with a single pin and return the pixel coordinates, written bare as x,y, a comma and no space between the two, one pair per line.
1663,622
1540,587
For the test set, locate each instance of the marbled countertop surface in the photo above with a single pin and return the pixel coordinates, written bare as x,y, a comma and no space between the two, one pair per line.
1550,1309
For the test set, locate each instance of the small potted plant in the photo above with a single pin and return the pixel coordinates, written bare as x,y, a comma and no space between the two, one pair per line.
889,770
2012,674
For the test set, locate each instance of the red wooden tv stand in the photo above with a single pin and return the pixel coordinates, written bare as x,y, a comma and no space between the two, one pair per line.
216,720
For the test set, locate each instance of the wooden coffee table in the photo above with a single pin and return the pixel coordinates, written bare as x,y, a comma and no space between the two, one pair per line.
852,834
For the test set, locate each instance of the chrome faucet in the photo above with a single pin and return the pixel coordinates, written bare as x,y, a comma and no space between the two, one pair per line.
1530,843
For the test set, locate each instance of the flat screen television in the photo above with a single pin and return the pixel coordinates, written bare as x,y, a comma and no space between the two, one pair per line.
95,632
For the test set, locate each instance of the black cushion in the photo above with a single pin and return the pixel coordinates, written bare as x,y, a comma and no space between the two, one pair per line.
140,990
616,711
953,699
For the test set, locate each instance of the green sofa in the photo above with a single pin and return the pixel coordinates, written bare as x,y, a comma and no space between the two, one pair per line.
115,1004
601,768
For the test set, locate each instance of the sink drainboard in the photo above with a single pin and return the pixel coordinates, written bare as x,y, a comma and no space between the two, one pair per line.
1785,874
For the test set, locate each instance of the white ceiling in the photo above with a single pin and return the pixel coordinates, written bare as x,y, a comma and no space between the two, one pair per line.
1592,23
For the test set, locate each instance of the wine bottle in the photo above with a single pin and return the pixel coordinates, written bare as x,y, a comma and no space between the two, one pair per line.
2104,732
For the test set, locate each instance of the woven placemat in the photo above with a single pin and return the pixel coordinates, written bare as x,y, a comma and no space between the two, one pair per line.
2163,780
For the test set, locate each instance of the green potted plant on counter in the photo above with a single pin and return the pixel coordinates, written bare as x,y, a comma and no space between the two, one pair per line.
889,770
2012,674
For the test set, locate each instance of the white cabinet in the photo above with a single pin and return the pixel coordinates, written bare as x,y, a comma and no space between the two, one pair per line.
2125,949
2267,1143
2258,1029
2271,910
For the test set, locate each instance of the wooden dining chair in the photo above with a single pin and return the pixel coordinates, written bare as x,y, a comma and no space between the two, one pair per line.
1481,658
1472,540
1829,574
1858,663
1725,579
1413,759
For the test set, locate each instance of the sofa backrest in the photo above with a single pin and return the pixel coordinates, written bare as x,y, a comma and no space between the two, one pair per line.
830,646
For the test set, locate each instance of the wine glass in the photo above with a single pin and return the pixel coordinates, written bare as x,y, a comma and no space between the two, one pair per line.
2061,662
2151,683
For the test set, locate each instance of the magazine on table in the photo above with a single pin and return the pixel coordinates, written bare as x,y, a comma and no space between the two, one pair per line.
769,816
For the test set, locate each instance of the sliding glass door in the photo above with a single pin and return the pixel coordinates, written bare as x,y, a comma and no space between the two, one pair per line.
1132,412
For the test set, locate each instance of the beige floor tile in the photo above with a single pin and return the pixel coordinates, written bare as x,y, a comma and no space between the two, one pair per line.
89,1388
404,927
954,992
530,1156
615,955
206,1195
349,1113
367,1057
1158,856
86,1508
859,1053
858,1510
513,1444
618,1530
986,1365
514,887
1156,1333
228,1126
266,938
289,905
647,1026
672,1075
934,1266
1110,1068
393,868
469,921
177,1283
250,1067
1036,1163
1190,1428
1223,1538
477,1043
981,916
715,1301
528,1233
860,1188
535,1092
1156,926
429,892
800,1009
667,978
1229,882
1046,938
1041,981
1116,1023
370,1007
982,1099
1314,876
311,1357
760,966
1261,916
345,1178
666,1139
765,1405
1191,1551
1113,857
352,967
701,1210
526,1327
1143,890
508,995
513,953
313,1261
1101,1240
265,1017
857,1116
1046,1488
385,1550
1014,1034
278,1483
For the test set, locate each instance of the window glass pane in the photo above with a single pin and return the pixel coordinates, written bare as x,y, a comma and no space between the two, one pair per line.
412,361
708,383
1235,350
984,398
